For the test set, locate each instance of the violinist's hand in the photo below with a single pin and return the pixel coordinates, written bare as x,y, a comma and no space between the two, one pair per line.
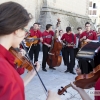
53,96
22,52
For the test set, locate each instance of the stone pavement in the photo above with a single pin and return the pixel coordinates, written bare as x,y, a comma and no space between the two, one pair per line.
53,80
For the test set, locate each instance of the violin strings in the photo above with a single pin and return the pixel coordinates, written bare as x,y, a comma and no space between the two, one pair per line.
34,68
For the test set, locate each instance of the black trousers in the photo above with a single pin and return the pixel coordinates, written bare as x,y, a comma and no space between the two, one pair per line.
70,63
34,50
63,55
45,55
86,66
76,51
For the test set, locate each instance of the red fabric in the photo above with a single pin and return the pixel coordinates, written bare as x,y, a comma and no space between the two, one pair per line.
20,70
78,35
93,35
35,33
11,84
69,38
49,35
97,87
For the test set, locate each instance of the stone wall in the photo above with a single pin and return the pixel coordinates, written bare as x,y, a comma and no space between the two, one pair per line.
50,15
74,6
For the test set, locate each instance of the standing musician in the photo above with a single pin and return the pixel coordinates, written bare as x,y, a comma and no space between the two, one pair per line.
35,48
70,40
46,45
12,32
78,45
86,36
63,48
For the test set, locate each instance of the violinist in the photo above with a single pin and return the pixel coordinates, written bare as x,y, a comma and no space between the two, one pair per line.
12,32
46,45
70,40
84,95
35,48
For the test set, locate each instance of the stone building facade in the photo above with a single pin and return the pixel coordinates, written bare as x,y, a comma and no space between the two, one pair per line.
72,13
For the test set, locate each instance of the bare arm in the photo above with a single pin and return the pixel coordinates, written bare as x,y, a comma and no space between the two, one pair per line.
30,75
82,92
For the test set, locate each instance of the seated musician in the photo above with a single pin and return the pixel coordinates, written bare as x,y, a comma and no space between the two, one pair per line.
46,45
86,36
70,41
12,25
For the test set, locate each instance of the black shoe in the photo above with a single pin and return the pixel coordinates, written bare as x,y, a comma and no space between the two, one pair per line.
73,72
52,68
44,69
66,71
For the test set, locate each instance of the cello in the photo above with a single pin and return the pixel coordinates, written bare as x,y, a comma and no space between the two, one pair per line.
54,59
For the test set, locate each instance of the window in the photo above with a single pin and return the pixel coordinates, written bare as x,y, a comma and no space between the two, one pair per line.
90,12
94,5
94,12
90,4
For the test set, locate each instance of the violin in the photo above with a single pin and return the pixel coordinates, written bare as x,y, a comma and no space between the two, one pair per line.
84,81
21,61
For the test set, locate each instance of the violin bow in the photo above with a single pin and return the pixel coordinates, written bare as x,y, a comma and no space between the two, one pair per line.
27,54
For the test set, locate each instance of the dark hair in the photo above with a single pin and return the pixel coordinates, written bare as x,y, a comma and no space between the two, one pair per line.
87,23
79,28
37,23
68,29
48,26
13,16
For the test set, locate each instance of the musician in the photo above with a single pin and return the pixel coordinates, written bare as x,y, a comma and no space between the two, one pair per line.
35,48
84,95
70,39
46,45
12,32
63,49
88,34
79,29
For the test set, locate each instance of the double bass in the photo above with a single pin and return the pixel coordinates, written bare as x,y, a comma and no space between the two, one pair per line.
54,59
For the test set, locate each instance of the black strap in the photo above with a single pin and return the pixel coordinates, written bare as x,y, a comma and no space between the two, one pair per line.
73,38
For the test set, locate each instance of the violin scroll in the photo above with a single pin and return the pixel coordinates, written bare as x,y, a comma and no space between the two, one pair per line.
61,91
